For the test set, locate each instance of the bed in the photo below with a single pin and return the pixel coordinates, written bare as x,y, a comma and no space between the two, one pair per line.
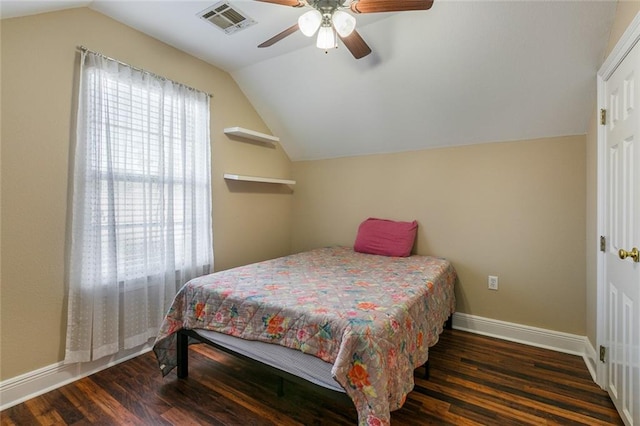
350,321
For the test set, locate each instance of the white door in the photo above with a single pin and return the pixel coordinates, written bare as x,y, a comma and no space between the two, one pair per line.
622,231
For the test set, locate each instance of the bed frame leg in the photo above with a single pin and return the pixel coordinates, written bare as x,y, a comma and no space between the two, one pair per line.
182,355
449,323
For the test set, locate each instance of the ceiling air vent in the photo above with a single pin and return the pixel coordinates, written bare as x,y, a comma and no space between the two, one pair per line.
226,17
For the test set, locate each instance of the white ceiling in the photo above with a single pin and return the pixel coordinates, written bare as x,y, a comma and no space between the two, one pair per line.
463,72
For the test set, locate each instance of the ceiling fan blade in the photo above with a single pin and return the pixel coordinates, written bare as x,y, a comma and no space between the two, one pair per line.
374,6
276,38
294,3
356,45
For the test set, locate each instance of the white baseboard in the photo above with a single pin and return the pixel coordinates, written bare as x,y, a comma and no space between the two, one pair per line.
591,360
38,382
34,383
554,340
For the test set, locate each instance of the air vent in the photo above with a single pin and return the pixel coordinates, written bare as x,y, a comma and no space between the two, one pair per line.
226,17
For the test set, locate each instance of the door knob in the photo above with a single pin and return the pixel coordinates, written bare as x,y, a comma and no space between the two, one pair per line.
633,254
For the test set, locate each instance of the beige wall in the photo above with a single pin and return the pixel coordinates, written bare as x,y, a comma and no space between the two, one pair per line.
625,12
515,210
39,64
507,209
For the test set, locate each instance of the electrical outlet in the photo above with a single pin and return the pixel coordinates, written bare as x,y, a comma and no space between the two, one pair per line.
493,282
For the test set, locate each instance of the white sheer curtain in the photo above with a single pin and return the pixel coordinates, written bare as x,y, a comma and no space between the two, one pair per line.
141,223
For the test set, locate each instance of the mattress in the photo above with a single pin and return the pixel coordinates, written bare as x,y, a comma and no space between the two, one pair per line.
299,364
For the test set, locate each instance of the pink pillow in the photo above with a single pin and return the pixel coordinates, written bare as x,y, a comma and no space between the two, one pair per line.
386,237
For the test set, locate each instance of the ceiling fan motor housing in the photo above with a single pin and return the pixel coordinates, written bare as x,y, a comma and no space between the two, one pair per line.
325,6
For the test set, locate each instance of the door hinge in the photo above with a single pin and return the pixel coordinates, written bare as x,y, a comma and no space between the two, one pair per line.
603,353
603,243
603,116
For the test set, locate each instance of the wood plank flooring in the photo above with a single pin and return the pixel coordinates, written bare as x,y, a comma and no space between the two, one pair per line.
475,380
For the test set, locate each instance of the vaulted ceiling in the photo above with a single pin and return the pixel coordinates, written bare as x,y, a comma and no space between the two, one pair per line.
463,72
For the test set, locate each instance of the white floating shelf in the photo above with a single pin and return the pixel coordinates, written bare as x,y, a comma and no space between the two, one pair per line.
259,179
251,134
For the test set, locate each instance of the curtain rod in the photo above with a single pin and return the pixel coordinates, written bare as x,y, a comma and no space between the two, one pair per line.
84,49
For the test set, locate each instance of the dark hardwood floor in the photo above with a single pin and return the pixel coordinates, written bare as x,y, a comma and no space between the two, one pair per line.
475,380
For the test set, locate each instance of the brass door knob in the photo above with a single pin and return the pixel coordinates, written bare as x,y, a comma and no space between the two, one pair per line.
633,254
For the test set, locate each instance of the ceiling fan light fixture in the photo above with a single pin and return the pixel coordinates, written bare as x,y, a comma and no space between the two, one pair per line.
310,22
343,22
327,38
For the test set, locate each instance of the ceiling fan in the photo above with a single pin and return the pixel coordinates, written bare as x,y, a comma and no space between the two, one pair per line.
329,18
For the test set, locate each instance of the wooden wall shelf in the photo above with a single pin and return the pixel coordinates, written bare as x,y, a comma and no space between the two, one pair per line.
251,135
230,176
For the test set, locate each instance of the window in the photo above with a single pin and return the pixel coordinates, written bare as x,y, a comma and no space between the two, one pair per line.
141,205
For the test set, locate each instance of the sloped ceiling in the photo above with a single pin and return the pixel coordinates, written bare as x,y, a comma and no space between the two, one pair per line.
463,72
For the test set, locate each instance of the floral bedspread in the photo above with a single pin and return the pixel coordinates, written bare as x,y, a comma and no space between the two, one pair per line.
372,317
